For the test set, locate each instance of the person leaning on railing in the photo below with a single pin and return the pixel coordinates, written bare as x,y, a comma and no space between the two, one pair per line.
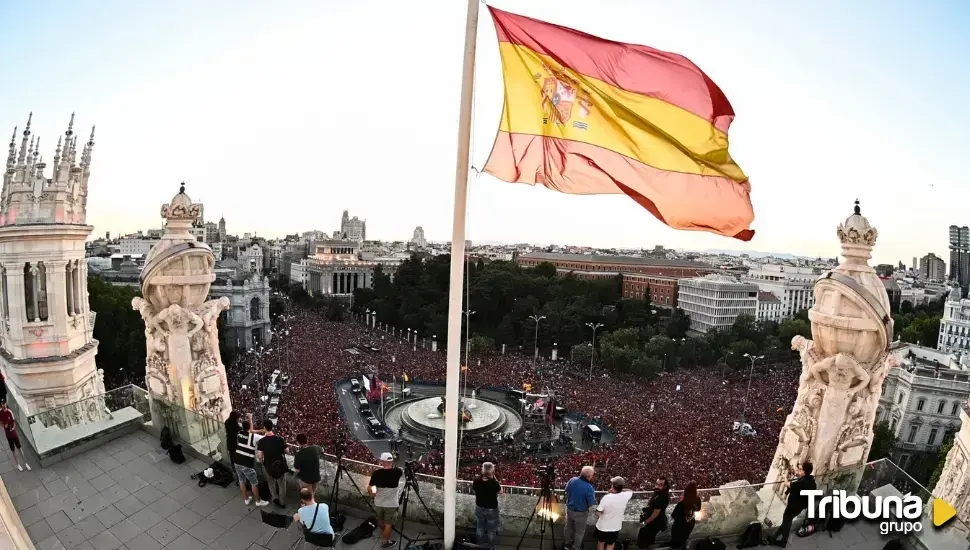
486,489
683,516
306,464
580,497
654,517
243,459
609,514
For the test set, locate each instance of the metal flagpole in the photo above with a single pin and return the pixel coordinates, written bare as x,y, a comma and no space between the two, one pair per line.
457,270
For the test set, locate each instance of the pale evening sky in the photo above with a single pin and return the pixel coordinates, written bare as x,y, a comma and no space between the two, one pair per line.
280,115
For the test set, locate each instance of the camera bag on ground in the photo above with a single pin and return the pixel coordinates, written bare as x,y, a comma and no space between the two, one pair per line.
176,454
894,544
834,525
166,438
752,536
337,520
221,475
363,531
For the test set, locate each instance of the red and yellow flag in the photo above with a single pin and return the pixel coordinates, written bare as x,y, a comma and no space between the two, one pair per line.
584,115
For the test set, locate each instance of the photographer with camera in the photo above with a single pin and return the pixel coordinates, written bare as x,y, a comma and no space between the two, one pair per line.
385,485
486,489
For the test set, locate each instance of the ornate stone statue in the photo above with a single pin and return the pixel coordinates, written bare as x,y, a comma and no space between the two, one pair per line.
183,366
843,367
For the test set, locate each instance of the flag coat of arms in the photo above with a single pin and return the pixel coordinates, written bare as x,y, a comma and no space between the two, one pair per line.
584,115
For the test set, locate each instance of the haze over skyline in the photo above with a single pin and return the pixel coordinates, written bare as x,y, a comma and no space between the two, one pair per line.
281,116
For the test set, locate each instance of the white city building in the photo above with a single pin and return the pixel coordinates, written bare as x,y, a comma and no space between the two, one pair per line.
921,399
769,307
791,284
418,239
252,258
47,352
137,245
352,229
715,301
955,324
247,322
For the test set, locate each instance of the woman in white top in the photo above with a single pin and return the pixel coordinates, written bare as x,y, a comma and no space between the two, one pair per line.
609,514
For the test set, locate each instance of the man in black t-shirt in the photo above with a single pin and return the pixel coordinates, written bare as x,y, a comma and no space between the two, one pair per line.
486,489
270,451
385,485
306,463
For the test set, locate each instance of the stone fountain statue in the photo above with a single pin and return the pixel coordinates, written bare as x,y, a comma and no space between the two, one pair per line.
843,365
183,366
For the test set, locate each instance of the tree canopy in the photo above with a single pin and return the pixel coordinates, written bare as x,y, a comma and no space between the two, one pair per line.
635,337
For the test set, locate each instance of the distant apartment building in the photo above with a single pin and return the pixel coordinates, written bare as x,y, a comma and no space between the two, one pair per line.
960,255
955,324
662,290
792,285
769,307
594,266
715,301
657,276
921,399
894,293
137,245
932,268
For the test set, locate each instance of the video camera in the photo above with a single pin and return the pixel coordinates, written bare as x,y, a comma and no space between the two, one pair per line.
546,471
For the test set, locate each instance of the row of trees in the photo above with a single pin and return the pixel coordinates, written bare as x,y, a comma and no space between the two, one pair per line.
634,336
120,332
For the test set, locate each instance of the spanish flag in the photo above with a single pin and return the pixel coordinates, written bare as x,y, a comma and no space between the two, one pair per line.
584,115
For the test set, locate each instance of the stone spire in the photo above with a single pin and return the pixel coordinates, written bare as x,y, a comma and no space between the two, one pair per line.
843,367
12,150
23,142
183,364
30,197
88,147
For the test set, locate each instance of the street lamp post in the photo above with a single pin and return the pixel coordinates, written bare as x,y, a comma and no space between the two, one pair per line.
592,351
535,341
468,330
750,375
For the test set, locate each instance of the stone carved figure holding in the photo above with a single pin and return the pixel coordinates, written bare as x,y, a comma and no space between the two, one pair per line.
842,371
156,366
807,353
179,325
210,318
882,369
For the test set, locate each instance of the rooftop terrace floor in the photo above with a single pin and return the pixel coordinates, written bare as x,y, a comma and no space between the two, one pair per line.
127,494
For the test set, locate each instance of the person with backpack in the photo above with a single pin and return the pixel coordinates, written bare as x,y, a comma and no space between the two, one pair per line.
683,516
244,453
271,452
797,501
306,463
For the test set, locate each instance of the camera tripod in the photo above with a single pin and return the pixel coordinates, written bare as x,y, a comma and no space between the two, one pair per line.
411,483
546,502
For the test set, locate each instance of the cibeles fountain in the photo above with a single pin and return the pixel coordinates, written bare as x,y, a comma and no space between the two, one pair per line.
183,367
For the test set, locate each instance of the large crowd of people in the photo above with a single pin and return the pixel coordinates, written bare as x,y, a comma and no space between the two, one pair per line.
684,434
